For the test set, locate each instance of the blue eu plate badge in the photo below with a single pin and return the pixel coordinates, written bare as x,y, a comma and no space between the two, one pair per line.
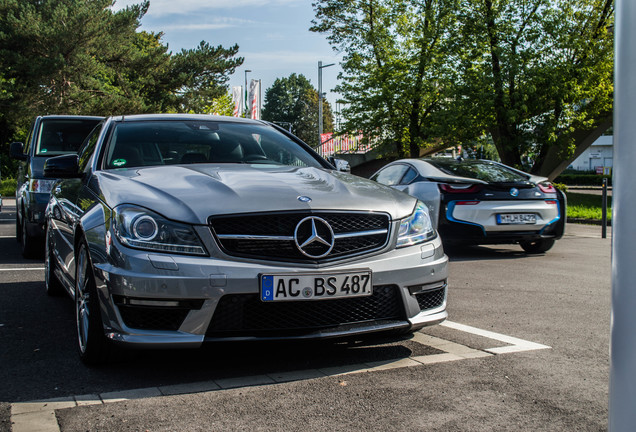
267,288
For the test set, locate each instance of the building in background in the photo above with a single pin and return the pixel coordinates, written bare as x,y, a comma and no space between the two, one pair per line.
598,157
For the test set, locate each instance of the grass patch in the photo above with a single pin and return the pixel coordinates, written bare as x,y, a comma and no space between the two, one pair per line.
587,206
7,187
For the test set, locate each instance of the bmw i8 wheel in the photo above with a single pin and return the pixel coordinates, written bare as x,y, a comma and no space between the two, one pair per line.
537,246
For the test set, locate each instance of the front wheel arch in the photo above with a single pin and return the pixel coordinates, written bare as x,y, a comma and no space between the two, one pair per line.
93,346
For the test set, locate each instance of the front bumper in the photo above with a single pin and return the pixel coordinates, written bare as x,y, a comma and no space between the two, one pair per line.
35,213
155,300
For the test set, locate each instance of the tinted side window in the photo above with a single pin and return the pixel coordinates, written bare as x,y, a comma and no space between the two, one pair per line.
62,136
87,149
409,176
27,143
391,175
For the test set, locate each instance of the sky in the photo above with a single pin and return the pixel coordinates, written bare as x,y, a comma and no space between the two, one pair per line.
273,36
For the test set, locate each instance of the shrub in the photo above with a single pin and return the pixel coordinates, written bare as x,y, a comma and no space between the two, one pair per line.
7,187
560,186
583,179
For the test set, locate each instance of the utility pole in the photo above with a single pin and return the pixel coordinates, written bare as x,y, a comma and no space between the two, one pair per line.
320,68
622,388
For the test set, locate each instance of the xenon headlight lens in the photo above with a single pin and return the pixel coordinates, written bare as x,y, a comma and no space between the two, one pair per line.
139,228
416,228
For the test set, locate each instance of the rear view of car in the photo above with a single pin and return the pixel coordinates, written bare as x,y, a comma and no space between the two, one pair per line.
482,202
49,136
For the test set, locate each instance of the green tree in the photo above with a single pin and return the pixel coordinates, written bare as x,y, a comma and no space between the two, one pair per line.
223,105
396,77
293,101
539,75
81,57
533,75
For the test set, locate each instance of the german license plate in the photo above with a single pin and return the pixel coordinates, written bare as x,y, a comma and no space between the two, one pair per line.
516,218
313,286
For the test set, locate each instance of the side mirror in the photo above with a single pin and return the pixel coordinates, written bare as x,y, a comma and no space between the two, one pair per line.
342,165
65,166
17,151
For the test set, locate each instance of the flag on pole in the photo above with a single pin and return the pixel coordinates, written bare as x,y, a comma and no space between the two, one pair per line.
254,99
237,100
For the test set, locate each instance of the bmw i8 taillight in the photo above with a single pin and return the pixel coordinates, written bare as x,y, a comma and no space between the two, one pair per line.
546,187
460,188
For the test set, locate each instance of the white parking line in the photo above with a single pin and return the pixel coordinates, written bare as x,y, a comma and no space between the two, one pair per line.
516,344
40,415
21,269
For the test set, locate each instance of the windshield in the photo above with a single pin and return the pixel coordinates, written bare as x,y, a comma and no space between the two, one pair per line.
58,137
476,169
169,142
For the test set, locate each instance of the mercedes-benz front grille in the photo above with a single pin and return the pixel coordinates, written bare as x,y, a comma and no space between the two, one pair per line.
301,236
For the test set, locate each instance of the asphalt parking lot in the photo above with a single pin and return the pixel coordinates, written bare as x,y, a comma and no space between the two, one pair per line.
525,349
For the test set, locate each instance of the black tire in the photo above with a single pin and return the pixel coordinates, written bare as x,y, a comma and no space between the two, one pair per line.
53,285
537,246
94,348
29,244
18,229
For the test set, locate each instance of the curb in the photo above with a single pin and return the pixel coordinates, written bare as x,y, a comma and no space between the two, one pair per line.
588,221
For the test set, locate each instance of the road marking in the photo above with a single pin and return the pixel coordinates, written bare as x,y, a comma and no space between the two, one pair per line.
22,269
515,344
40,415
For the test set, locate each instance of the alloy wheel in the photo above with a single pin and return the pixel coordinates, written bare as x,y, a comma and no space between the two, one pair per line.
82,300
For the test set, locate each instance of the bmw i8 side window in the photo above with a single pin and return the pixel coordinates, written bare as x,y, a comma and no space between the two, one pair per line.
390,175
410,175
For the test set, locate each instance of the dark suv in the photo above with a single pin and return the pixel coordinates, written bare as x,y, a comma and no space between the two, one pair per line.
49,136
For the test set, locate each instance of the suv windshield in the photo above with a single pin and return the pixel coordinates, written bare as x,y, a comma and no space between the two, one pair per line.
168,142
476,169
58,137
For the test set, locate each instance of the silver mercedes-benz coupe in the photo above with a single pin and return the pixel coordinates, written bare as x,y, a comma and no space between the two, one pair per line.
175,230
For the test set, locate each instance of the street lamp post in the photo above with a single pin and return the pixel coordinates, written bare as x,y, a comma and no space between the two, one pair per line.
320,95
245,109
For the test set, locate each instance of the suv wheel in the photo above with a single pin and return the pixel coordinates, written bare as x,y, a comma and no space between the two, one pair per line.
29,243
51,282
18,229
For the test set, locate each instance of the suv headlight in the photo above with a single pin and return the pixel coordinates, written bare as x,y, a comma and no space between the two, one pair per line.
139,228
416,228
41,186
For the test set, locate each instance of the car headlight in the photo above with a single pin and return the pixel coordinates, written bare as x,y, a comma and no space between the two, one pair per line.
41,186
142,229
416,228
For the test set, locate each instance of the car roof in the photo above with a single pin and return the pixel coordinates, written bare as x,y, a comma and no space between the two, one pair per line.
423,167
70,117
195,117
428,170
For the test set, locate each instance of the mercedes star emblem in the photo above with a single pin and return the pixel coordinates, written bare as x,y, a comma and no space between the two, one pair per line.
314,237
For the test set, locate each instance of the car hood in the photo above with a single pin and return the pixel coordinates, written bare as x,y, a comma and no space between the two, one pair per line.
192,193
